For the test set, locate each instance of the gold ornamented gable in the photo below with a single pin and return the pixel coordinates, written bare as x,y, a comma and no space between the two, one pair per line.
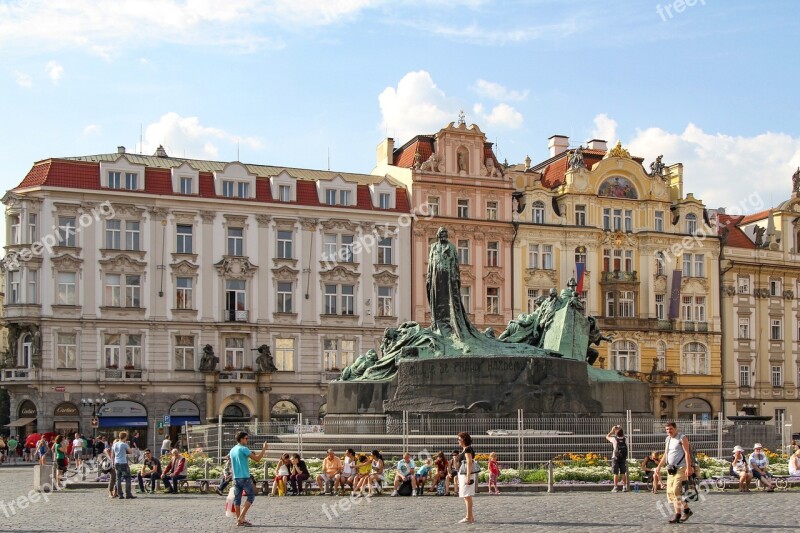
618,151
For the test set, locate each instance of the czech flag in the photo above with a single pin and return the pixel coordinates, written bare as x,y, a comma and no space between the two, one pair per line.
581,273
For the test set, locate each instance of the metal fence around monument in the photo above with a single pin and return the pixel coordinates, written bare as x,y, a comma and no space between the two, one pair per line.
519,442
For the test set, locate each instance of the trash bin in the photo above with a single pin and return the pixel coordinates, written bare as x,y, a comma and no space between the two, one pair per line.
43,478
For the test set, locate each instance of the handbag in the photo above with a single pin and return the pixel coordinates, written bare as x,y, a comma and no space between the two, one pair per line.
462,470
229,512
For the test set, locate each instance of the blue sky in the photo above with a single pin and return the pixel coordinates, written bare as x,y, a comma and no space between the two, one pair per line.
713,85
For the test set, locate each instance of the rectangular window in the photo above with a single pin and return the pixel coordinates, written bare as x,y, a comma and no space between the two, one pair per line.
777,376
66,231
348,353
114,181
660,307
285,244
236,241
133,351
113,290
236,300
330,352
183,293
699,266
466,298
617,219
131,181
463,252
629,220
348,299
186,185
329,303
234,353
284,193
133,291
433,206
744,328
14,236
32,286
606,260
243,189
626,304
533,256
580,215
66,350
547,256
385,305
385,251
227,189
284,297
618,260
346,254
744,285
66,288
112,350
344,198
610,304
700,308
687,265
628,260
686,308
132,235
184,239
744,375
329,247
330,196
184,352
284,354
606,219
492,301
492,254
659,222
32,233
774,287
776,327
463,208
491,210
385,200
533,295
113,234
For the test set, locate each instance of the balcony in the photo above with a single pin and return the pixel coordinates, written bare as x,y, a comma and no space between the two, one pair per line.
233,315
236,375
665,377
19,374
120,374
644,324
619,276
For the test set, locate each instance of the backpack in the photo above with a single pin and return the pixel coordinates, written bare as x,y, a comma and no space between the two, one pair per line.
621,451
405,488
440,488
104,464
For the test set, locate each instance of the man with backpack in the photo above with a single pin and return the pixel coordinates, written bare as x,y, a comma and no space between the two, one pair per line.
680,467
619,461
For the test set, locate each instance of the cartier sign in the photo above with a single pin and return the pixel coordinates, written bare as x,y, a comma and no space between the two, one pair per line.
27,409
66,409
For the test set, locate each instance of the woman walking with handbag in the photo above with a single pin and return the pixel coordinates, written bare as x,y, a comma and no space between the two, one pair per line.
467,474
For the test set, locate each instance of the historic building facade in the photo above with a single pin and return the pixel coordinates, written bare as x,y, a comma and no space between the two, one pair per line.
760,290
649,261
128,274
456,182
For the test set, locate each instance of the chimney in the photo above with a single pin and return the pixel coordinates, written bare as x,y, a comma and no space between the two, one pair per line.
598,144
160,152
527,162
120,149
386,152
558,144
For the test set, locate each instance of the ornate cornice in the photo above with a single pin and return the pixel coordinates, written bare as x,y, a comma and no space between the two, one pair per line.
184,268
285,273
235,220
208,216
234,267
339,274
618,151
339,224
263,220
384,277
122,263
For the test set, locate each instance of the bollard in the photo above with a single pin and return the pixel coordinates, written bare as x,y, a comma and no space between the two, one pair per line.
205,469
549,476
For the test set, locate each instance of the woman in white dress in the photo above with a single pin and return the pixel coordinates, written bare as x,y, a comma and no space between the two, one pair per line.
467,481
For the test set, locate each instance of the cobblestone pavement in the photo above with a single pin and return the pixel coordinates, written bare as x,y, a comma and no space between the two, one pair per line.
91,510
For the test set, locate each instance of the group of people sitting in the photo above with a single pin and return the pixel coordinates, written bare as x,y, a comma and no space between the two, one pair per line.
755,467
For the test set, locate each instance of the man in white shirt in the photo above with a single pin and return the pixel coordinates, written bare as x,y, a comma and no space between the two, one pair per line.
758,464
77,449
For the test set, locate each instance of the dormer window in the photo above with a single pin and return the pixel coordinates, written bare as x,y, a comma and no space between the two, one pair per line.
186,185
284,193
384,200
131,181
235,181
332,195
122,175
114,180
243,190
235,189
227,189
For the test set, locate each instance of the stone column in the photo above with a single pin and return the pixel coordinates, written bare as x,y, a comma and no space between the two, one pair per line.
263,381
211,391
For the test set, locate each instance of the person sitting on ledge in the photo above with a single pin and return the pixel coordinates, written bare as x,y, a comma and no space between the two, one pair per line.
758,464
740,469
175,472
331,466
794,464
405,472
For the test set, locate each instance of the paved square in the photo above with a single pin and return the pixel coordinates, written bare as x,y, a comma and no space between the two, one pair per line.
91,510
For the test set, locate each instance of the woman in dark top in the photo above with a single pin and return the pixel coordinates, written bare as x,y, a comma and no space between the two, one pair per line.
467,481
298,473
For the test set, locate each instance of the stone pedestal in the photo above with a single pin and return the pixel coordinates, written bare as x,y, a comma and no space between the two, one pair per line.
43,478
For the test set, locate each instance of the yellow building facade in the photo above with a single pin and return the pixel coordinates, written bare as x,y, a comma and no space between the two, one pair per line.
651,264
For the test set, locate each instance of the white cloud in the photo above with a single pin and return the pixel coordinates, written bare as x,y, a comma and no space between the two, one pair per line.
54,70
492,36
725,170
605,128
502,115
22,79
417,106
495,91
185,136
102,28
91,129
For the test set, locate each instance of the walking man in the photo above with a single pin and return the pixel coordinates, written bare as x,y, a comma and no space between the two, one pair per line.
77,449
120,449
619,461
678,457
242,482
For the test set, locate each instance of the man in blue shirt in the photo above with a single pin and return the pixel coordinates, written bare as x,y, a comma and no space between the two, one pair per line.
121,450
240,462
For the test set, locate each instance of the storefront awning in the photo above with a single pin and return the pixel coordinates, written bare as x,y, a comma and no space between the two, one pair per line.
122,421
182,420
19,422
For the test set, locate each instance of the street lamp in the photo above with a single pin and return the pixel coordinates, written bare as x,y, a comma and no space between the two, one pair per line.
94,403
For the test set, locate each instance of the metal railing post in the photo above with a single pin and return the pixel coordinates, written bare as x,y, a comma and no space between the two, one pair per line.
186,430
405,431
219,439
719,435
300,434
550,476
629,432
520,443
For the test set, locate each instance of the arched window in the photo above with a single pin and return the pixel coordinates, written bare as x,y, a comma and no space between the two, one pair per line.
284,409
235,412
25,353
538,212
691,223
661,356
624,356
580,255
661,264
694,359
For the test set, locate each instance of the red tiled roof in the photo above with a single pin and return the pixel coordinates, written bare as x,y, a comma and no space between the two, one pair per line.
157,181
60,173
404,156
307,193
207,185
263,191
736,237
363,197
761,215
554,170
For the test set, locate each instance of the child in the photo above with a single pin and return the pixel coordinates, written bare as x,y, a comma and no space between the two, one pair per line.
422,475
281,476
494,472
363,469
